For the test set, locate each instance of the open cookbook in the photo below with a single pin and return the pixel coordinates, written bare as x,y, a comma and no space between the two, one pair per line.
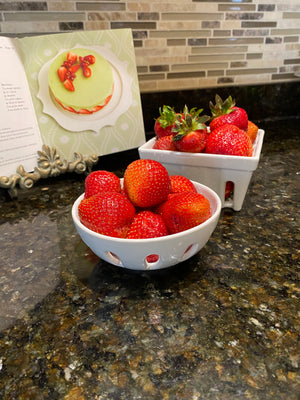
76,92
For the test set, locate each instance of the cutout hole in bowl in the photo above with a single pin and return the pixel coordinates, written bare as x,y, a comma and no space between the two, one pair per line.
190,251
151,260
113,258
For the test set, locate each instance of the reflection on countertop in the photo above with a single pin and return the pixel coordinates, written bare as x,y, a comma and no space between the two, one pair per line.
222,325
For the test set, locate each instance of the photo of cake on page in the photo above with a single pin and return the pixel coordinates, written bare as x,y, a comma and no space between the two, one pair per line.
84,91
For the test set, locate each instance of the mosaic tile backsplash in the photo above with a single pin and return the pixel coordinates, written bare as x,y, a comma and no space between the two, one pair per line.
180,45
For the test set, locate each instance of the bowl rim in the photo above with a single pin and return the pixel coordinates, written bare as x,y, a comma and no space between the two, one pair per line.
215,215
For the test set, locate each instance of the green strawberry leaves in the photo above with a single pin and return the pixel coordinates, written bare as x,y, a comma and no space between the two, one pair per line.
167,116
189,121
221,107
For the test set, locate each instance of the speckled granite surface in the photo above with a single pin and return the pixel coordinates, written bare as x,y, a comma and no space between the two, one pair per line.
222,325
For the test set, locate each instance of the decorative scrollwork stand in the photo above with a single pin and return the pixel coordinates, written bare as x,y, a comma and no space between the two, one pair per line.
49,164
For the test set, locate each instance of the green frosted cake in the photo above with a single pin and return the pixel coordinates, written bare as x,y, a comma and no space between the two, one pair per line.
81,81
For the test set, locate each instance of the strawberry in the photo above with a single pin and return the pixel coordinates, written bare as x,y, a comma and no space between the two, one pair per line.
180,184
108,213
229,140
227,113
146,183
74,68
164,143
90,59
71,58
252,131
146,225
184,211
101,181
87,72
61,72
228,189
191,133
68,84
165,122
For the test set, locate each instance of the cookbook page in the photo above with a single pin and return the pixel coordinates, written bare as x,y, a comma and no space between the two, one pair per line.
117,126
19,131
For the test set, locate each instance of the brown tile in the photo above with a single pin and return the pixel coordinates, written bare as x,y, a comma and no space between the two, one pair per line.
132,25
244,16
236,7
259,24
197,42
185,75
176,42
289,76
217,72
147,77
225,80
159,68
254,56
186,16
250,71
146,16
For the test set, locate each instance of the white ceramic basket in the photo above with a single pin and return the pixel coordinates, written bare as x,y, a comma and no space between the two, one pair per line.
171,249
212,170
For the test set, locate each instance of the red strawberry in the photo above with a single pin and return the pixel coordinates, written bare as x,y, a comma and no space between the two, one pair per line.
191,133
229,140
184,211
165,122
87,72
146,225
90,59
228,189
146,183
68,84
108,213
227,113
71,57
101,181
164,143
74,68
180,184
61,72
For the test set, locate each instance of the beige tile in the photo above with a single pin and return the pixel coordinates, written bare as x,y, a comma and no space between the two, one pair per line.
61,6
29,27
198,66
179,33
96,25
219,49
139,6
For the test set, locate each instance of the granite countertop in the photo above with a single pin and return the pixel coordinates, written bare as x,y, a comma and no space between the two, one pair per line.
221,325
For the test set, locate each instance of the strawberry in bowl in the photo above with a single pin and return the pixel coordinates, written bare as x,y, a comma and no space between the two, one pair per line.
143,234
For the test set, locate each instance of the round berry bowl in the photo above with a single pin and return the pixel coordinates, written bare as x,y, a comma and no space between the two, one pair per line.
156,253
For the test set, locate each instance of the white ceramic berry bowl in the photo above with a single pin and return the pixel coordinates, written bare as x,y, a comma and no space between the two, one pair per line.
212,170
171,249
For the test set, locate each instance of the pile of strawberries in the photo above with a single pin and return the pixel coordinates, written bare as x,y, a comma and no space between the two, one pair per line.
149,204
66,72
227,131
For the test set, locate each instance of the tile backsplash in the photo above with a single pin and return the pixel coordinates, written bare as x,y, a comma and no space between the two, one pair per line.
181,45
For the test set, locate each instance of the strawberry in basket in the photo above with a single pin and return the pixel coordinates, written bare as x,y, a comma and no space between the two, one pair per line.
226,112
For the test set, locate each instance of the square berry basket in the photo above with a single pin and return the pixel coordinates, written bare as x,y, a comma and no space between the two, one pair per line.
212,170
